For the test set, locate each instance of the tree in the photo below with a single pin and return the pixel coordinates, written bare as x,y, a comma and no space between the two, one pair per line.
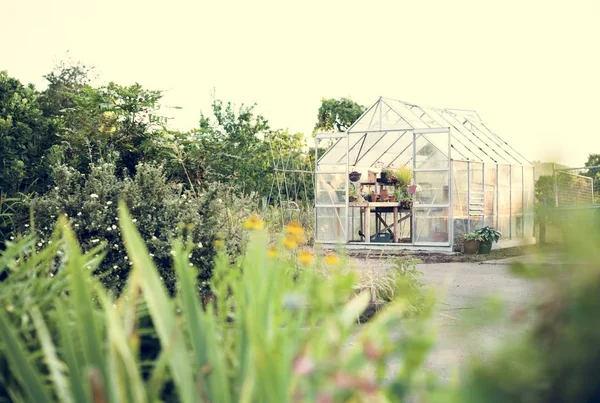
337,114
594,173
25,136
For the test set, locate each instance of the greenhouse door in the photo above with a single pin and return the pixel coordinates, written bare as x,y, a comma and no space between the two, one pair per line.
432,224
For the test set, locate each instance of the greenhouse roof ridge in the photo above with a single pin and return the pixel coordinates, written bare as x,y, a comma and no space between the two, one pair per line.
471,138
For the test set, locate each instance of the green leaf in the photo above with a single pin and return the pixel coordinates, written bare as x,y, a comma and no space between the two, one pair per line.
27,374
52,361
159,305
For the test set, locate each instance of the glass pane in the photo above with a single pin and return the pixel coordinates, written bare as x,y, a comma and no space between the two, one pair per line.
431,152
516,219
330,225
331,188
431,224
459,190
490,195
528,196
504,201
432,187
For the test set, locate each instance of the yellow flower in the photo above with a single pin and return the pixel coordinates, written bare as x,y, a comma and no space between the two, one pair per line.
290,242
306,257
254,223
295,229
272,253
332,260
219,243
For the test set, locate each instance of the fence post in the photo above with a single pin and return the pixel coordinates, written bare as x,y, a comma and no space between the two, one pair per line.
543,219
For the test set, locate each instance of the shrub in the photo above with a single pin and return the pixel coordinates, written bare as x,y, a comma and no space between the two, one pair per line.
277,333
162,211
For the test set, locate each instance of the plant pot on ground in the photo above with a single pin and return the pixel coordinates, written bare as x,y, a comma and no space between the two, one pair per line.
471,243
487,235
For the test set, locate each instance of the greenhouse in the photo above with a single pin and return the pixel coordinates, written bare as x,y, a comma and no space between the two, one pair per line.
408,176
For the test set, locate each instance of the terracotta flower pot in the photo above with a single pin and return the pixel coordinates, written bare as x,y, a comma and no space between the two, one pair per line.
471,247
384,193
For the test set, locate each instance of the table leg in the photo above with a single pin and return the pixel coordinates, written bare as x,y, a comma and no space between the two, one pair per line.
367,225
395,224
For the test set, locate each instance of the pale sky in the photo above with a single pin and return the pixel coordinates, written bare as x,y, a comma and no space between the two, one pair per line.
530,68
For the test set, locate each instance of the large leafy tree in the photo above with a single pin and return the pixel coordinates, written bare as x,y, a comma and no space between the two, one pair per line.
97,121
337,114
25,136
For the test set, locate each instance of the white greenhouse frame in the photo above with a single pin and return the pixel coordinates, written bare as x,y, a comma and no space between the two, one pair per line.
467,177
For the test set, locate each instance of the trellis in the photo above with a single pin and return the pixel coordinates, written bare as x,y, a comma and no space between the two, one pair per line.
292,188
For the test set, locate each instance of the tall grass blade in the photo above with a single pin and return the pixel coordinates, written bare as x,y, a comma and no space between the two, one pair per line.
54,364
27,374
159,305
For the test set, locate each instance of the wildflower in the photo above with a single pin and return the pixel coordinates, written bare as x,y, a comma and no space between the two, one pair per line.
219,243
154,238
108,228
303,365
306,258
127,258
39,244
134,220
254,223
12,237
152,255
79,214
109,202
332,260
113,226
95,240
172,252
294,229
290,242
94,196
76,225
26,225
115,267
191,265
272,253
55,187
200,245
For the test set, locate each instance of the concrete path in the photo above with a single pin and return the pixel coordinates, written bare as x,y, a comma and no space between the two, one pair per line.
463,288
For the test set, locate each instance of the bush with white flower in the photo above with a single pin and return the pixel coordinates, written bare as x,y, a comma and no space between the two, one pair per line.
162,211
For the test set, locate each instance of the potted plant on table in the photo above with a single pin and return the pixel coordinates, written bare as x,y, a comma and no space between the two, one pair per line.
371,196
472,241
353,194
388,176
488,236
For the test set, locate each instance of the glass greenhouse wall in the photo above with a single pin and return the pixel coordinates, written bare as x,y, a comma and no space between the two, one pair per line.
462,177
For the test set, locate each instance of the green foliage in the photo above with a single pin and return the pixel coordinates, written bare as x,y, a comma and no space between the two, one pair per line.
162,212
25,135
337,114
262,339
488,234
404,176
594,173
473,236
